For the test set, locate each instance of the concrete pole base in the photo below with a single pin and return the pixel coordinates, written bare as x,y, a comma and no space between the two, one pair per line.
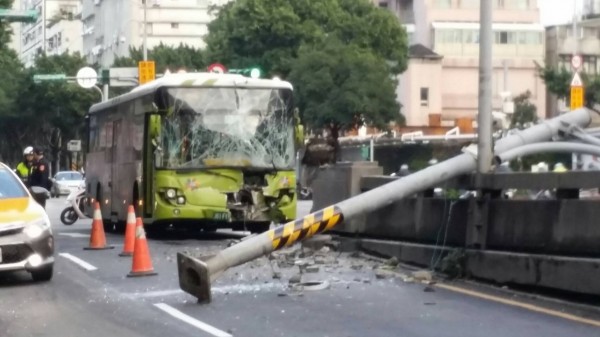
194,277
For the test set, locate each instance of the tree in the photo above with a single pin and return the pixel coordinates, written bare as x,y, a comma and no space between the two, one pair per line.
269,33
558,81
343,86
48,110
165,57
525,111
11,74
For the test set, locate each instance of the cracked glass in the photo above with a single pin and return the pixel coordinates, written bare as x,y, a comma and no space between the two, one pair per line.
221,127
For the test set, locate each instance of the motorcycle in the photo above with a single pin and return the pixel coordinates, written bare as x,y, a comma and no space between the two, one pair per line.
75,202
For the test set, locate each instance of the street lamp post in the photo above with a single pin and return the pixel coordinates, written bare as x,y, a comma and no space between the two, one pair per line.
145,36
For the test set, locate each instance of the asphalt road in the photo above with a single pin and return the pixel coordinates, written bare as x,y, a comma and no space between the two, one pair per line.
97,299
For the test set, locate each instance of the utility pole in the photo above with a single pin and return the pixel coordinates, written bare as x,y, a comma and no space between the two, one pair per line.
484,119
145,36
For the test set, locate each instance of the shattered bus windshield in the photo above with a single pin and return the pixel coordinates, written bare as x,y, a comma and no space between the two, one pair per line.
228,127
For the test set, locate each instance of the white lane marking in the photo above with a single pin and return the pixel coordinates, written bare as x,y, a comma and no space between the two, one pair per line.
75,235
238,288
191,320
79,261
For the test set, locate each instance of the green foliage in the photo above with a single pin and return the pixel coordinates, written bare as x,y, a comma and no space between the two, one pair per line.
342,86
36,113
165,57
525,111
558,81
269,33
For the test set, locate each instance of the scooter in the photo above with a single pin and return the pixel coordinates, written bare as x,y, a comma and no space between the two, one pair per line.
74,211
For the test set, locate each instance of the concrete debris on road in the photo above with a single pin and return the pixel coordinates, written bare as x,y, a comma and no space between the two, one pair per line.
422,275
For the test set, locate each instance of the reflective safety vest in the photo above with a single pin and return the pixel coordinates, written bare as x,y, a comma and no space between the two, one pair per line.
23,170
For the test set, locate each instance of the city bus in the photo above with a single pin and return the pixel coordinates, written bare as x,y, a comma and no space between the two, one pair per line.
197,151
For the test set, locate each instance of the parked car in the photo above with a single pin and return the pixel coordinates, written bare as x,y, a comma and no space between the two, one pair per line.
26,239
65,182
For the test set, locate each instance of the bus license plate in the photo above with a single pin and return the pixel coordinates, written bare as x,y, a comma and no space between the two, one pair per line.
221,216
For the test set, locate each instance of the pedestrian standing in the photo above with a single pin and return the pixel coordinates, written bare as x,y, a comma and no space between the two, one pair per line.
40,175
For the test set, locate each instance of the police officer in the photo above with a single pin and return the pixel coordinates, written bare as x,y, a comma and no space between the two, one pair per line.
24,166
40,176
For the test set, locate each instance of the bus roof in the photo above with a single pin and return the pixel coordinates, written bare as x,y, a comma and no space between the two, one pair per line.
193,80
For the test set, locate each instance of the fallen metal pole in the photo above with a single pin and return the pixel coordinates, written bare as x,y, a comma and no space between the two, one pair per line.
546,147
196,274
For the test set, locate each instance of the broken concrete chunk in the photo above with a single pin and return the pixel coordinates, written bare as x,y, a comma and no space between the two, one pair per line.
422,275
295,279
317,242
392,262
312,269
381,274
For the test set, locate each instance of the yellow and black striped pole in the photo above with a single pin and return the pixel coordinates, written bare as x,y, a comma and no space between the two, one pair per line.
291,232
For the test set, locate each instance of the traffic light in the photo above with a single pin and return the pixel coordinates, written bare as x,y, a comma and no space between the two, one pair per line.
254,72
146,71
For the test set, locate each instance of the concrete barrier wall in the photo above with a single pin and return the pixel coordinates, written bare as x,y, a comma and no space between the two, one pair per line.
565,227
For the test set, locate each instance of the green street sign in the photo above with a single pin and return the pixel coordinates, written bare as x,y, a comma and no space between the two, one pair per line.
254,72
19,16
49,77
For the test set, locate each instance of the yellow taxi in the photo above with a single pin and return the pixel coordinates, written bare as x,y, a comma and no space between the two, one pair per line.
26,239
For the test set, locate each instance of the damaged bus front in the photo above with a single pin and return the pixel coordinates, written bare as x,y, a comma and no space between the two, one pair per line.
226,155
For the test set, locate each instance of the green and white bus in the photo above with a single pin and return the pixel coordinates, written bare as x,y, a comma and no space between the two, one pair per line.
196,150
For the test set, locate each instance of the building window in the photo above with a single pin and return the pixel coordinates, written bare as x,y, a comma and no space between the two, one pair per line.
469,4
424,96
505,37
383,4
174,25
449,36
443,3
522,4
499,4
471,36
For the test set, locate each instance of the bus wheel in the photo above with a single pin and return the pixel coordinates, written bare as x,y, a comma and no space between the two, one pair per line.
258,227
120,227
108,226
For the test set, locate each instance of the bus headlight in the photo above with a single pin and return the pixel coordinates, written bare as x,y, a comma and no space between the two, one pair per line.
171,193
181,200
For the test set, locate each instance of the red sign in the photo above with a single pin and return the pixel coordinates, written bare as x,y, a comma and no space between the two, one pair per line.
217,68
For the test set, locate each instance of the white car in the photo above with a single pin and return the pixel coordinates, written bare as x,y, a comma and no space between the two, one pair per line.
65,182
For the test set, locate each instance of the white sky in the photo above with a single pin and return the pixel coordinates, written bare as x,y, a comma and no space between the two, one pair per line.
557,11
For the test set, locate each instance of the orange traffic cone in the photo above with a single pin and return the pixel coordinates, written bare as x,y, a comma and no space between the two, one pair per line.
142,264
97,237
129,233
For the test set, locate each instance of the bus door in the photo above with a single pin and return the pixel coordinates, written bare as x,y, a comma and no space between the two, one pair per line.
114,189
151,140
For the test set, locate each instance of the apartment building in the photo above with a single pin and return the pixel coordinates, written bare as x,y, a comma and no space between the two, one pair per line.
441,85
111,27
57,30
